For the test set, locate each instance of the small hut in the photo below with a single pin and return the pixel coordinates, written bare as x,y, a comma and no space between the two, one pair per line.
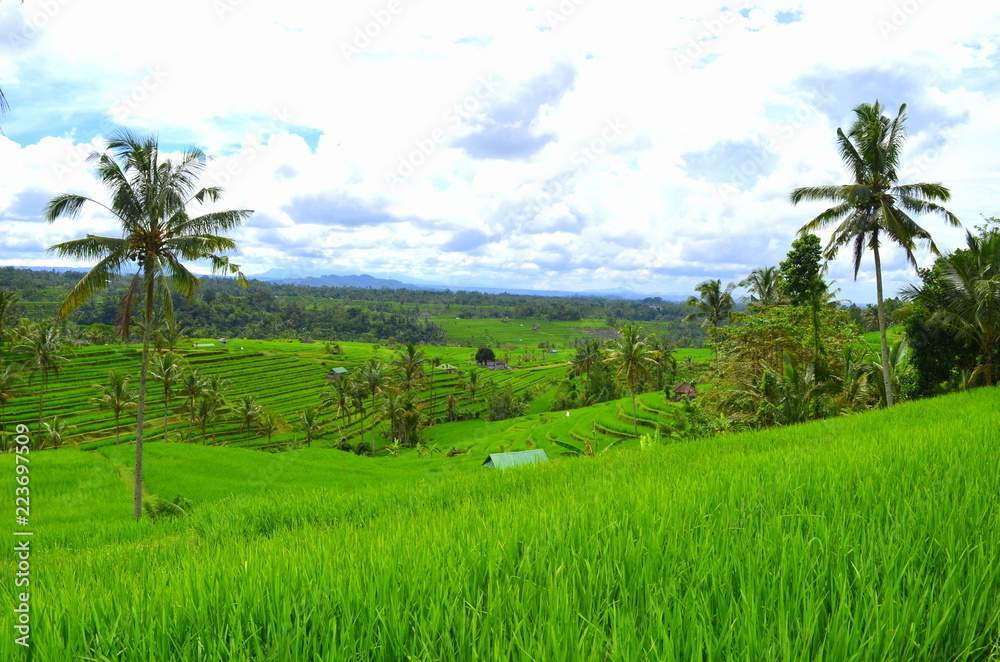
684,391
505,460
336,374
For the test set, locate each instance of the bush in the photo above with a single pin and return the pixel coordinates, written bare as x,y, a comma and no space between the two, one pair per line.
503,404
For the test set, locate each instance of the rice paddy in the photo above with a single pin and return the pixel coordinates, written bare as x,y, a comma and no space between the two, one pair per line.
865,538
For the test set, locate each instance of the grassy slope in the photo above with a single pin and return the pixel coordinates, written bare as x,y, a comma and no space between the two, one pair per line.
867,538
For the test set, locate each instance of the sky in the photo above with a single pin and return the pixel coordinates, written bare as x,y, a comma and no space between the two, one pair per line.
579,145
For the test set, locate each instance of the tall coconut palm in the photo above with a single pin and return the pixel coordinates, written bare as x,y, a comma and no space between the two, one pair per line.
373,376
9,311
150,197
715,303
874,207
633,361
117,397
762,287
9,379
167,368
44,345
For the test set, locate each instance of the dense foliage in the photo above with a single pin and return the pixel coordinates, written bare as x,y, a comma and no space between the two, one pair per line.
269,310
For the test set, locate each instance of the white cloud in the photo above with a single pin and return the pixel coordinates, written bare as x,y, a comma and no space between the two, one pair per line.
537,145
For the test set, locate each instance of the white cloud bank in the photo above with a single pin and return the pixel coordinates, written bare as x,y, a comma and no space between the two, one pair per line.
572,144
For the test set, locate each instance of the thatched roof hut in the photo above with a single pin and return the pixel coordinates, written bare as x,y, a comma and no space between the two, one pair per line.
685,390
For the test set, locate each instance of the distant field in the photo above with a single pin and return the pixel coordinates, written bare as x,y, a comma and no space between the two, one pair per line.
285,376
517,332
864,538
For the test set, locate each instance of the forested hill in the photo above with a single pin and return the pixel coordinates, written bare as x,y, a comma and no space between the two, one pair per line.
274,310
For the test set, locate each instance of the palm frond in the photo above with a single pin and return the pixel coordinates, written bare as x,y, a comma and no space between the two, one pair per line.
67,205
818,193
92,282
127,307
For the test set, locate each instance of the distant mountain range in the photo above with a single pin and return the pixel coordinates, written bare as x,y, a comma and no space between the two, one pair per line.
285,276
292,277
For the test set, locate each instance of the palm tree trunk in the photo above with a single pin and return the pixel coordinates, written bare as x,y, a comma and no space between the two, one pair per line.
886,376
166,411
41,394
635,424
373,423
140,409
988,356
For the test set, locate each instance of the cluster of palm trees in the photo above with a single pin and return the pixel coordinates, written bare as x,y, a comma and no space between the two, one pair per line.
203,397
961,295
401,393
870,210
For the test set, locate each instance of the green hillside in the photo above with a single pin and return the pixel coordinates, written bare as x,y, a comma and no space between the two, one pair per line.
865,538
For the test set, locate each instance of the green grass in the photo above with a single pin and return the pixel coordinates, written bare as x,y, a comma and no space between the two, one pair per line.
521,333
865,538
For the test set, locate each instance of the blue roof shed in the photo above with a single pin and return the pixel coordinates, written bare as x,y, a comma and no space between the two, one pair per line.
504,460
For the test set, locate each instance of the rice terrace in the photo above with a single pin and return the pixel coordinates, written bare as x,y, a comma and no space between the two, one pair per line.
711,378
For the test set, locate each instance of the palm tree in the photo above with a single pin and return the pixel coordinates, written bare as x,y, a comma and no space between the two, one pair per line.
310,424
373,377
971,298
588,356
8,310
247,411
339,397
192,387
149,197
269,424
9,378
715,303
56,431
43,344
634,362
874,207
166,369
214,391
411,366
472,385
762,287
116,396
206,412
